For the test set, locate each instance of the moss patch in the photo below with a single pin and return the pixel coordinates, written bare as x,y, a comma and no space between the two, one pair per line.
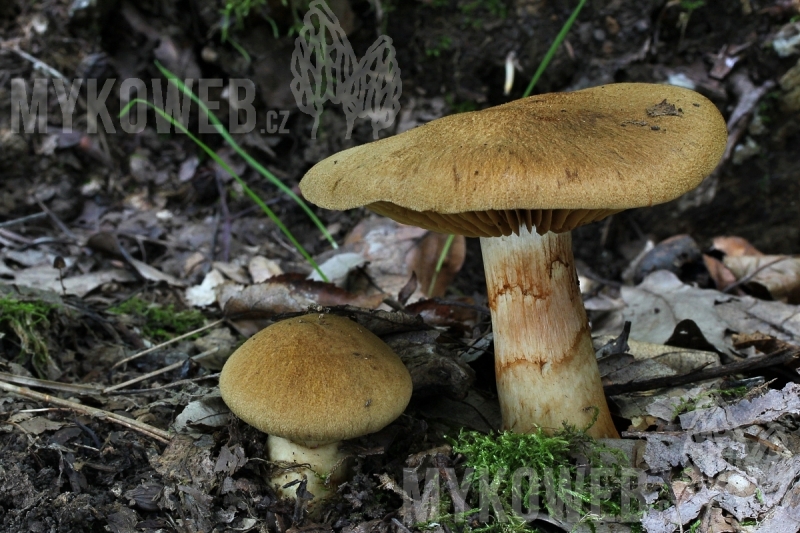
159,323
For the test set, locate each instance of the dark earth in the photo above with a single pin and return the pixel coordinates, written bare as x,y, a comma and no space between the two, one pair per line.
84,474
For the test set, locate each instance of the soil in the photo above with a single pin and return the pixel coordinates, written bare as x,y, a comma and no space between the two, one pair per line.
77,473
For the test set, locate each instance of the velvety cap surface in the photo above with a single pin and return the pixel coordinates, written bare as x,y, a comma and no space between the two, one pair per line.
597,151
315,379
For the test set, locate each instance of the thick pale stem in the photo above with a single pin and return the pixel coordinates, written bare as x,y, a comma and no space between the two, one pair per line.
546,367
318,462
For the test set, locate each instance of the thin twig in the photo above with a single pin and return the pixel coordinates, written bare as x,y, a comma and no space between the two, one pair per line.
171,341
753,274
57,221
776,358
400,525
174,384
22,220
38,64
10,235
141,427
46,384
158,372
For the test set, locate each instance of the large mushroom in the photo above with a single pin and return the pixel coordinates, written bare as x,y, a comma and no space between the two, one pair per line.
310,382
520,176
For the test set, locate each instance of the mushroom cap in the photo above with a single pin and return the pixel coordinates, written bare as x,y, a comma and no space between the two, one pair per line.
553,161
315,379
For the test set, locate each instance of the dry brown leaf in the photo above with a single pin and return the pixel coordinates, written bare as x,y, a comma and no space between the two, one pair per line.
733,246
232,270
288,293
460,313
46,277
395,250
153,274
423,258
720,274
261,269
779,275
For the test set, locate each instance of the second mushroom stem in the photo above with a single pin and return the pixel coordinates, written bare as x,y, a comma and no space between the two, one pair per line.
544,360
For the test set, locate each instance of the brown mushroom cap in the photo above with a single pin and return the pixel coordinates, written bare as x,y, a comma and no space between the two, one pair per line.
315,379
553,161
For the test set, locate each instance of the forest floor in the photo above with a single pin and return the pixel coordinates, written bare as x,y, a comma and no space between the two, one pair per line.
116,238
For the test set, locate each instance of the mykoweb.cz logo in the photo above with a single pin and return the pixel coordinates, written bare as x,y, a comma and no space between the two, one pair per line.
29,113
563,494
594,484
323,64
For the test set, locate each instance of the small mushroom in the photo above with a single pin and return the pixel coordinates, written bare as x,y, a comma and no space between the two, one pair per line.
521,176
310,382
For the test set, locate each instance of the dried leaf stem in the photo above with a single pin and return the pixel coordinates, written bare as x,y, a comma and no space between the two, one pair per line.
160,371
171,341
141,427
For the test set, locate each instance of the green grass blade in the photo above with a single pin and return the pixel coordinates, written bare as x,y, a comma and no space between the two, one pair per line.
553,47
442,256
244,155
247,190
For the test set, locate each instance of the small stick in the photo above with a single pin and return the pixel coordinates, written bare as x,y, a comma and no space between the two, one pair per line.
754,273
160,371
22,220
47,384
57,221
172,385
776,358
141,427
10,235
171,341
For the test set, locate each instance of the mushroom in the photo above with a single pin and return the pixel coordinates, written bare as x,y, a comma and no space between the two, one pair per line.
520,176
310,382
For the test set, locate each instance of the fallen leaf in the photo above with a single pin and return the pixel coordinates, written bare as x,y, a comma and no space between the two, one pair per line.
153,274
661,301
209,411
261,269
45,277
289,293
232,271
673,254
39,424
657,305
733,246
720,274
461,314
205,294
779,275
395,250
338,267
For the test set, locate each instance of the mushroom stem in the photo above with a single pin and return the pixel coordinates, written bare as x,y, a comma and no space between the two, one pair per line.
313,462
544,360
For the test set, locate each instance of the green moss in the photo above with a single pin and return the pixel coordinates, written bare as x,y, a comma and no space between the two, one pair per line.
570,473
27,320
160,323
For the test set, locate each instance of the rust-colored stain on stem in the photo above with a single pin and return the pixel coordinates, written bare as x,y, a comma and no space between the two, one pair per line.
546,368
